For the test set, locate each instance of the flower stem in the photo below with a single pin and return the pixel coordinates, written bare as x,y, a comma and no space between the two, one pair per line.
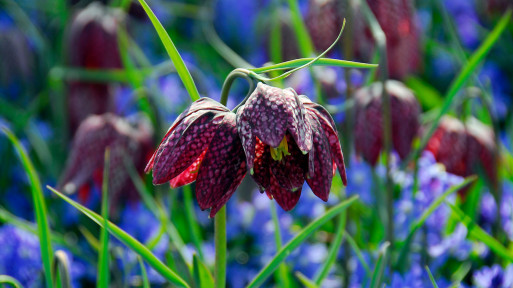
281,274
220,246
380,38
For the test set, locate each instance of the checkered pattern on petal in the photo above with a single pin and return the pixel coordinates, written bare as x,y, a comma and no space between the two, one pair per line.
184,146
223,167
320,178
271,112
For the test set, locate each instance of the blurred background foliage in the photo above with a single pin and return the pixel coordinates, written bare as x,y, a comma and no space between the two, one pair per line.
64,61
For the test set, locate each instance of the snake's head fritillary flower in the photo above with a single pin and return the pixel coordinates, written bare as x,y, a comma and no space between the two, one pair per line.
464,148
481,149
288,139
405,112
323,21
449,145
92,44
85,163
202,145
93,37
397,19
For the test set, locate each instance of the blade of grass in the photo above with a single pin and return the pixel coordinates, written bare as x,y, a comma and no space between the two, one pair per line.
202,275
282,254
335,245
431,277
39,205
305,281
358,253
377,276
182,70
144,274
89,237
221,48
160,212
477,233
401,261
103,262
129,241
6,279
466,72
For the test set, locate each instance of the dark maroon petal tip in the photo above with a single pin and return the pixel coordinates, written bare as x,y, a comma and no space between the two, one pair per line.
287,199
290,171
223,167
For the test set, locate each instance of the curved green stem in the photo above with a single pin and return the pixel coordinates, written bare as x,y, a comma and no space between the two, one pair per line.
227,85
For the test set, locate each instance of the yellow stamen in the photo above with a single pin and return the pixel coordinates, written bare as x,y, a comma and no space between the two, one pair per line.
280,151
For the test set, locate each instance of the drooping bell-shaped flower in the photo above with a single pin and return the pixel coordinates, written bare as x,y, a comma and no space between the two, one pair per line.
288,139
397,19
124,138
449,145
464,148
202,145
92,44
323,21
405,111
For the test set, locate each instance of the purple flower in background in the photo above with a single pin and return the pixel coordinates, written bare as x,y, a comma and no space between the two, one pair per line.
488,209
142,224
493,76
20,256
433,182
123,136
243,15
466,20
494,277
454,246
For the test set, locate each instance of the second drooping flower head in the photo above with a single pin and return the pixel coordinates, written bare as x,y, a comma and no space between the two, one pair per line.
288,139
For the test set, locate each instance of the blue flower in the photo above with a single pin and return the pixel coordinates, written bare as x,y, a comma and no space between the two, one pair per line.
466,20
20,256
500,85
360,174
494,277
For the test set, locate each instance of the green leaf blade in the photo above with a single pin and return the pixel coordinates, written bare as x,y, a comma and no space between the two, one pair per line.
43,227
202,275
282,254
377,276
129,241
182,70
